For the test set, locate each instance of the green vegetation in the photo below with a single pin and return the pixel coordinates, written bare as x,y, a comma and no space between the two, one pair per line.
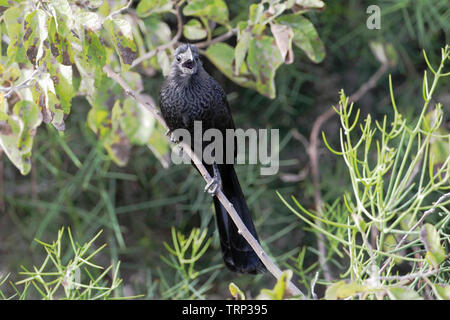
78,152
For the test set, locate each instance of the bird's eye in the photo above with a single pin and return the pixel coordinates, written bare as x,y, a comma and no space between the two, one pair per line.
196,58
178,58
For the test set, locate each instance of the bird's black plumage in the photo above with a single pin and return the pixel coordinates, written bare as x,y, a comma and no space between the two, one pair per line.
190,94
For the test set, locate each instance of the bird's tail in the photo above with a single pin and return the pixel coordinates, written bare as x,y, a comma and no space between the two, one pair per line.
237,253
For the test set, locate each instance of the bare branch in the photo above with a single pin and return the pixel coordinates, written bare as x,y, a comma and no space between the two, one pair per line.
165,46
220,38
112,14
270,265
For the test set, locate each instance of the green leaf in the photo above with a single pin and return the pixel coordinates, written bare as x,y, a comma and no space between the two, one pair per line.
221,55
148,7
164,62
64,15
136,121
119,122
215,10
62,77
401,293
442,292
305,36
236,292
435,252
255,13
122,37
263,60
44,96
94,52
159,144
279,290
60,46
13,18
241,49
36,32
342,290
111,134
90,20
193,30
439,148
17,133
156,33
3,108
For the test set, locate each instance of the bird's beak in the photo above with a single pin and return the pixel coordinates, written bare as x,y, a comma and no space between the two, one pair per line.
189,61
189,55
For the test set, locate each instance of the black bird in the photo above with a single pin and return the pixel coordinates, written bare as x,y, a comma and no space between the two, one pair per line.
190,94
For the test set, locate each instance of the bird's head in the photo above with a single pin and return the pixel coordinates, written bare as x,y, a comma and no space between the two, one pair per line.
186,60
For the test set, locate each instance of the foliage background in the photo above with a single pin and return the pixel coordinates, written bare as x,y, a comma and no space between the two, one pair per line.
73,182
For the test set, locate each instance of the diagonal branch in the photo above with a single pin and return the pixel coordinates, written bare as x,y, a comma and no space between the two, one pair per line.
270,265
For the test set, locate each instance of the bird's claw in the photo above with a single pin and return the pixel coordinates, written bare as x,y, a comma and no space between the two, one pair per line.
213,186
173,139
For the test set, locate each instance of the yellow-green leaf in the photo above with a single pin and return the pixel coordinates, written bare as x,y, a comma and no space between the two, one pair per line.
401,293
148,7
236,292
215,10
193,30
342,290
122,36
435,252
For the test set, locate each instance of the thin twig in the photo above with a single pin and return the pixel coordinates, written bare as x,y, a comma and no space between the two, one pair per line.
220,38
410,276
425,214
112,14
22,85
266,260
165,46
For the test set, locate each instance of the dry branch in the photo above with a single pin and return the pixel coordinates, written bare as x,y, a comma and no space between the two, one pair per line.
270,265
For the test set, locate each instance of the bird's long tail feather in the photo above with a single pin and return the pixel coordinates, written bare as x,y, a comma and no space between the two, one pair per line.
237,253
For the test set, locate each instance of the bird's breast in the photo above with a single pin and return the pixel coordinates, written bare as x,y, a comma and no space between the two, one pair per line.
183,105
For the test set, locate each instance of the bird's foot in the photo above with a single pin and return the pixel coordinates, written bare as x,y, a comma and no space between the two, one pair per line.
170,134
213,186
